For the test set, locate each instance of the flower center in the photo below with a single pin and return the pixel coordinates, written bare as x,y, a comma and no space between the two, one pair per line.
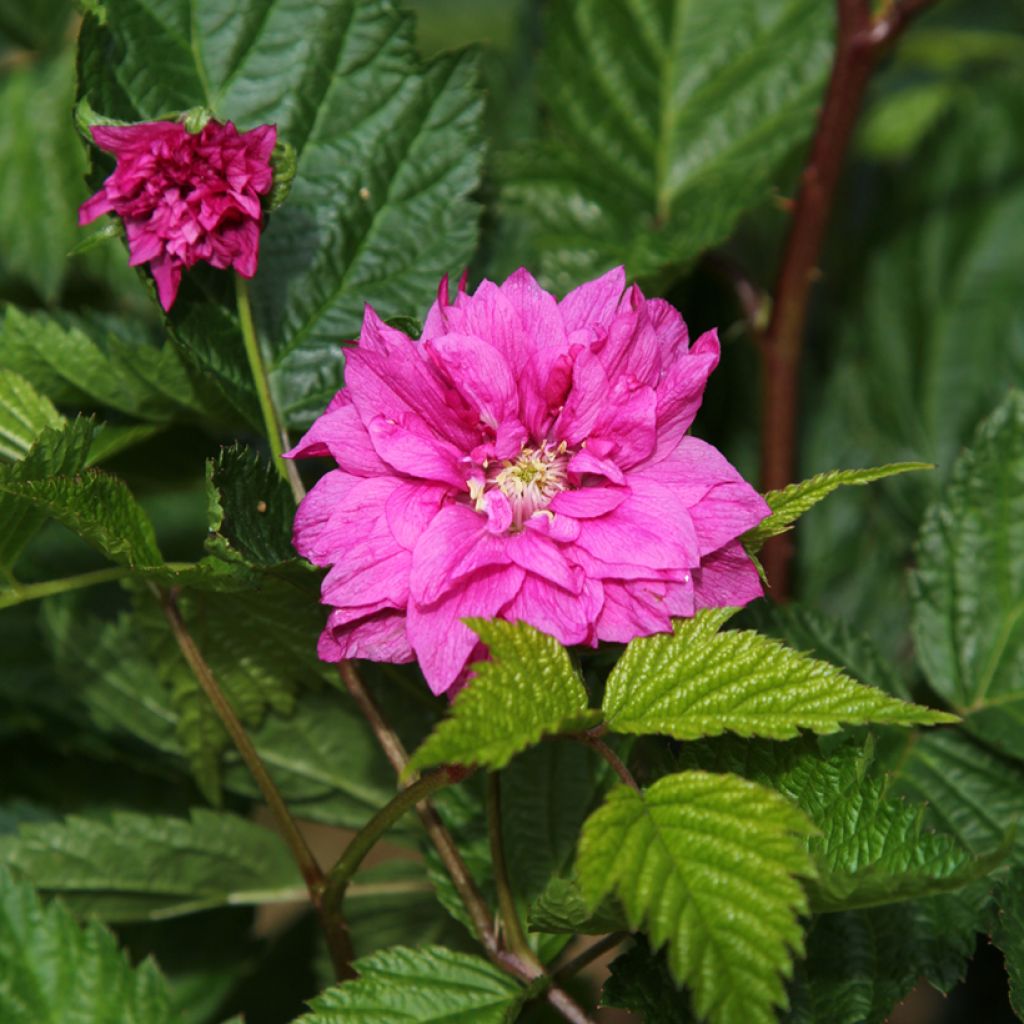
529,482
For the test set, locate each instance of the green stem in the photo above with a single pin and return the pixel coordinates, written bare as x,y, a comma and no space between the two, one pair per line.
514,935
334,927
365,839
276,434
21,592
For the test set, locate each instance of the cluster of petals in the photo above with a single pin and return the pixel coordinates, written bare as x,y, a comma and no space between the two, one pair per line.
525,459
186,197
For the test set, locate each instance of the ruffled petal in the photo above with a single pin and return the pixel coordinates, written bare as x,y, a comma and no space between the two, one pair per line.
728,578
594,303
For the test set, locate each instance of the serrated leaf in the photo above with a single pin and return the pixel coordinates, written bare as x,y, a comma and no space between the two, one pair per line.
139,866
430,983
789,504
968,588
24,414
57,450
870,848
95,505
707,863
699,682
560,907
527,690
632,169
388,152
1009,934
53,970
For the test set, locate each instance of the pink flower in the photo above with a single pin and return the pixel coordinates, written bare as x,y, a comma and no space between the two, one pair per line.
525,459
186,197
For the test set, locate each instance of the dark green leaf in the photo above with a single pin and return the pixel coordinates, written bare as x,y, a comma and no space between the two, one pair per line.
1009,935
708,864
639,981
562,908
968,589
528,689
699,682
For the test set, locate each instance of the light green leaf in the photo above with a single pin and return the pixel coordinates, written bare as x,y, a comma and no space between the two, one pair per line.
388,152
789,504
527,690
1009,935
431,983
57,450
707,863
136,867
968,589
633,170
699,682
53,970
95,505
24,413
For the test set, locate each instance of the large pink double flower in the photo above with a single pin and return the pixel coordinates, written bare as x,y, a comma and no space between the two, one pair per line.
524,459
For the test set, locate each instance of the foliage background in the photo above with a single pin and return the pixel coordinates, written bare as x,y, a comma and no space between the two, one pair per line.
917,331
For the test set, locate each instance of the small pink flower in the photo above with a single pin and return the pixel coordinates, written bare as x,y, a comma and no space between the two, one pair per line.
526,459
185,197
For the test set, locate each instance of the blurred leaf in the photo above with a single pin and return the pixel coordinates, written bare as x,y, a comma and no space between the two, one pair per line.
789,504
53,970
388,152
699,682
108,440
1009,935
633,170
140,866
430,983
708,863
639,980
527,689
560,907
24,413
57,450
968,588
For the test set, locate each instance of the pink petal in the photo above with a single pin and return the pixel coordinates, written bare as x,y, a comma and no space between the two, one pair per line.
167,274
411,508
568,617
408,445
588,502
594,302
634,608
726,579
481,374
586,400
94,207
377,637
339,432
586,462
544,558
681,392
628,420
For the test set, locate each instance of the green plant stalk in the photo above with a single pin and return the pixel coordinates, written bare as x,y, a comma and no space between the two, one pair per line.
366,838
18,593
277,436
334,927
513,927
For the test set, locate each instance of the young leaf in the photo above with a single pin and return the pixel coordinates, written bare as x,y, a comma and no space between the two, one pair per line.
53,970
968,589
429,983
632,169
707,862
562,908
789,504
699,682
528,689
24,414
141,866
1009,935
388,152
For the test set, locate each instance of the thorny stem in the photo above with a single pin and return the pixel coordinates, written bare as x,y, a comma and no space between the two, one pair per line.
593,740
365,839
334,928
860,40
277,437
589,955
511,924
530,973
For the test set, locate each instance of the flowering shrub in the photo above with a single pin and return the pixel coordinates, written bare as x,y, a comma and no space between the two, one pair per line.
772,776
526,459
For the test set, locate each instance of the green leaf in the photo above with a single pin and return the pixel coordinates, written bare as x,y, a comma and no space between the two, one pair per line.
789,504
24,414
560,907
53,970
639,980
57,450
95,505
968,589
708,863
140,866
388,152
426,984
632,169
699,682
971,791
1009,935
869,849
527,690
